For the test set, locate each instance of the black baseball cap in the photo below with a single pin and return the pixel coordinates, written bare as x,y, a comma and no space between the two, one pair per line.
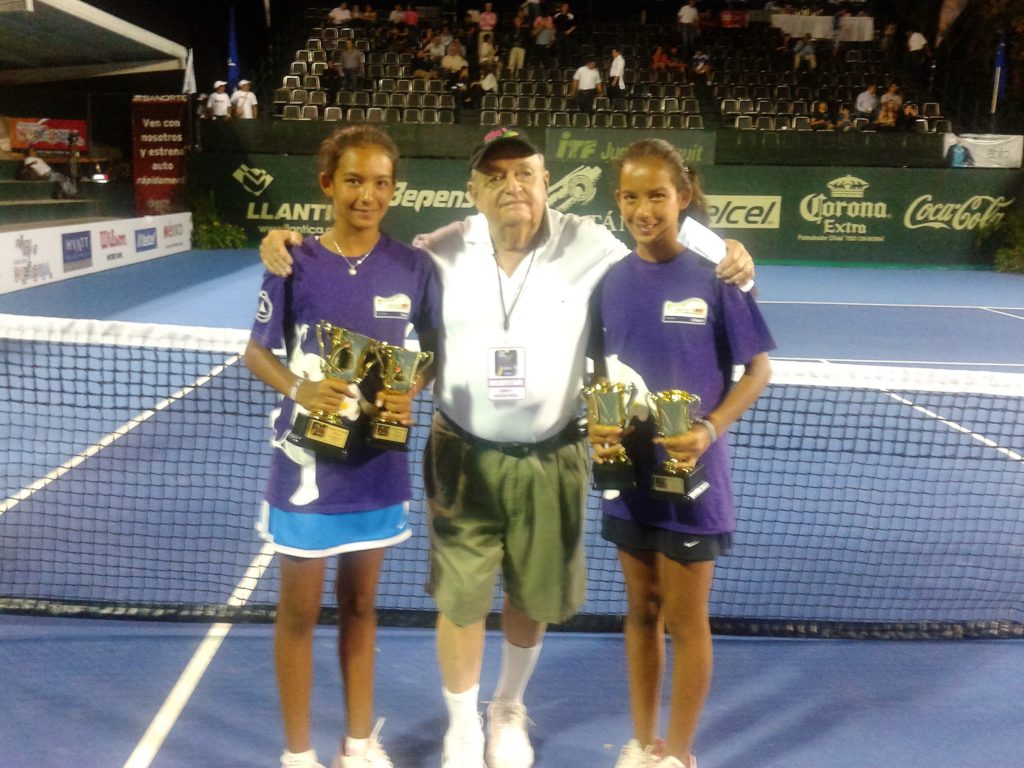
501,137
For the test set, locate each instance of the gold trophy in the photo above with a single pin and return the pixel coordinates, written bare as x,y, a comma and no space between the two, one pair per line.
608,405
675,412
399,368
344,355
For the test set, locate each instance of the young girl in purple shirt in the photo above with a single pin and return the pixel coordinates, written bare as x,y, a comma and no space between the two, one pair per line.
665,322
355,277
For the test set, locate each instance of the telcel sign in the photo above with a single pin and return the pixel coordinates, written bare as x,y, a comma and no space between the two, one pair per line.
744,211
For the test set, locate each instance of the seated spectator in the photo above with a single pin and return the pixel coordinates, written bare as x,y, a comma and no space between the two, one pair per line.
659,60
821,120
397,16
487,52
436,48
909,115
340,15
700,64
412,16
887,117
369,14
892,94
34,168
676,62
454,61
867,101
804,51
489,80
467,93
423,65
844,119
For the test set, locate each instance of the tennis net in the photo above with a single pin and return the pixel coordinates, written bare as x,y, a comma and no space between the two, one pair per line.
873,501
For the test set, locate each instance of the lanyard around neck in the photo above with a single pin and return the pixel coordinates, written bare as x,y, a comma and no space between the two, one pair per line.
507,313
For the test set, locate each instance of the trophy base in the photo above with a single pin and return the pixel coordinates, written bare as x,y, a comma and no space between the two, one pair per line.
679,486
321,436
388,436
614,476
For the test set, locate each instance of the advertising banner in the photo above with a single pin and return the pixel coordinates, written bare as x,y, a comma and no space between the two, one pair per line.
46,134
976,150
160,139
608,144
33,257
810,214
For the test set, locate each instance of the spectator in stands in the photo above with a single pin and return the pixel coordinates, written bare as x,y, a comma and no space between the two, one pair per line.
218,106
909,115
469,36
918,57
676,62
659,60
700,64
369,14
867,101
888,116
243,101
617,75
892,93
466,91
543,36
489,81
423,65
352,63
821,119
487,53
400,37
412,16
488,21
844,119
397,16
565,33
586,85
516,43
454,60
532,8
34,168
340,15
804,50
436,49
688,21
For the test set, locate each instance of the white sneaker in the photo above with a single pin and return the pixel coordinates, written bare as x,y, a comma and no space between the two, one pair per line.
373,756
305,759
508,745
464,746
635,756
675,762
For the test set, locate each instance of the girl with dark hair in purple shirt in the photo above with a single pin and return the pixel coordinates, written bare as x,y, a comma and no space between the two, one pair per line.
666,323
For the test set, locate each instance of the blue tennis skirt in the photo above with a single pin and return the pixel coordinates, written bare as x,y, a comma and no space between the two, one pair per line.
312,534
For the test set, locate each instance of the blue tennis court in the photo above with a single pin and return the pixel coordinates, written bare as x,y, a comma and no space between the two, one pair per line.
820,544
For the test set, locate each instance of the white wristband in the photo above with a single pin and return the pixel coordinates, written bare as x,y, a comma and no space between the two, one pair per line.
710,428
294,393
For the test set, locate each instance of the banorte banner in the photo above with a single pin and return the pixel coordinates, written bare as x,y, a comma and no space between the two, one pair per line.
160,142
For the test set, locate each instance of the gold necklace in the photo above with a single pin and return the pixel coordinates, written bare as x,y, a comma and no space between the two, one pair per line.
352,267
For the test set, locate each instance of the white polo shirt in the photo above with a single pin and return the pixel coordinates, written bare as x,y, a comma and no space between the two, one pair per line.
688,14
588,78
618,69
548,325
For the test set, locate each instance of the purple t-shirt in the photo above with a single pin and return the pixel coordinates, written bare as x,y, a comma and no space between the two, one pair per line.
678,327
394,291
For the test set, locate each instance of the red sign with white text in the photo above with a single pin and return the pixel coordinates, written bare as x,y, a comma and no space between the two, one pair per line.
160,142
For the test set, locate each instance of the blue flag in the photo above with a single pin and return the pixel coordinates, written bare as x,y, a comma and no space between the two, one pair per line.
1001,66
232,51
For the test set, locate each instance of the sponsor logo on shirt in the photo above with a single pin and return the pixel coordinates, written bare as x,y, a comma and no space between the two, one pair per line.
264,308
398,306
688,312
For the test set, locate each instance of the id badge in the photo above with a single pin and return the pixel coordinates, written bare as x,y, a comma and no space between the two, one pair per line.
506,373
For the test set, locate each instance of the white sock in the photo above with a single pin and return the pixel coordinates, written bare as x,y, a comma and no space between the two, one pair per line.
355,746
298,757
463,707
517,666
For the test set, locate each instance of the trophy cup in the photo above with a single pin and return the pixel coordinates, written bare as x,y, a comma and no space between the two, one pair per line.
344,355
399,368
674,412
608,405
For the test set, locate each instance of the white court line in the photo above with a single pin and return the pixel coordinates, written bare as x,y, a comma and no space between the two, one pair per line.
37,485
144,752
958,427
876,361
886,306
999,311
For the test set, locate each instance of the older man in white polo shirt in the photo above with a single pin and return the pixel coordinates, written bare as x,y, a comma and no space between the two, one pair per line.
506,470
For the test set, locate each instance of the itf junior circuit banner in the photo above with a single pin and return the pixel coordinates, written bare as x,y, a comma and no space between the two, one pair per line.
160,141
